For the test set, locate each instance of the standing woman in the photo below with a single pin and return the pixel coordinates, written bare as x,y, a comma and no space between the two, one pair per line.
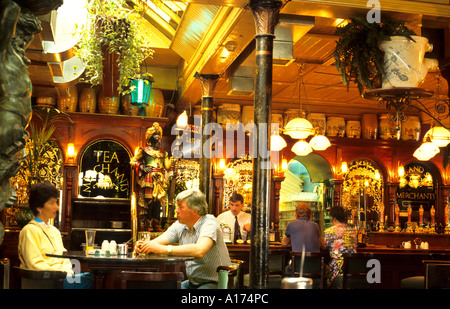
338,239
39,238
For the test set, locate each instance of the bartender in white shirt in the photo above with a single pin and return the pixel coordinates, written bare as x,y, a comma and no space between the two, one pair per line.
236,219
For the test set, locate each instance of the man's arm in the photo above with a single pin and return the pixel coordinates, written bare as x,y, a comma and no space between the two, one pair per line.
161,246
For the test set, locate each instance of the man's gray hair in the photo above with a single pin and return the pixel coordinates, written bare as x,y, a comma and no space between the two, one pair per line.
195,200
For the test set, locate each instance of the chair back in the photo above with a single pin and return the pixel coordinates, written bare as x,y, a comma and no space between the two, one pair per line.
355,270
437,274
41,279
5,267
150,280
313,267
231,277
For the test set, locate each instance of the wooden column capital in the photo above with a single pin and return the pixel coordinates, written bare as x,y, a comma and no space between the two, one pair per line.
208,82
265,13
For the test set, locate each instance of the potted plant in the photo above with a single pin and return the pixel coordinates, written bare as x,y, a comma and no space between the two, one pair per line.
113,45
43,161
358,56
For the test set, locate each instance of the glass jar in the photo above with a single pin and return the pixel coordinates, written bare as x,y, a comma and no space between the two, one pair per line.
411,128
353,129
388,128
335,126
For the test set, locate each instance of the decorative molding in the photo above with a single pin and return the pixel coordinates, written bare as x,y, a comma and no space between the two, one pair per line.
266,13
208,82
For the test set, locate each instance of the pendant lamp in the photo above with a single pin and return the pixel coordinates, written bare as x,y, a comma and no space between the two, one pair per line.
301,148
439,136
277,143
140,91
319,142
426,151
299,128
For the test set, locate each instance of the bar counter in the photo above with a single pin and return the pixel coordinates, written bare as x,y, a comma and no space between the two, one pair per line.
397,263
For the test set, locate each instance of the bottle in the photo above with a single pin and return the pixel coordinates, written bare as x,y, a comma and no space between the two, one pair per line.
271,233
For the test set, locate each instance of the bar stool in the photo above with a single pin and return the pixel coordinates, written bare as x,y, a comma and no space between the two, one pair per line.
231,277
6,266
313,267
355,270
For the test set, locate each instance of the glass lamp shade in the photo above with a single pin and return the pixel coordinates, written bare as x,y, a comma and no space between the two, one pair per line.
140,93
277,143
299,128
439,136
319,142
182,120
301,148
426,151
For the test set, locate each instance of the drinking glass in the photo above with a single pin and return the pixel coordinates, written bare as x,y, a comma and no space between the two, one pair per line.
90,239
144,236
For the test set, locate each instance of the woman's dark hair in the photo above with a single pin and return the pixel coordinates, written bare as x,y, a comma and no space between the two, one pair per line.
339,214
40,194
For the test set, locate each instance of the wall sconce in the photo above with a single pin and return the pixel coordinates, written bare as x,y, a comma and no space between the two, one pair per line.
284,165
344,168
182,120
401,171
222,164
71,150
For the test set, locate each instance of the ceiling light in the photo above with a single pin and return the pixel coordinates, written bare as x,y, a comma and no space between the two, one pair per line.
439,136
301,148
277,143
299,128
426,151
319,142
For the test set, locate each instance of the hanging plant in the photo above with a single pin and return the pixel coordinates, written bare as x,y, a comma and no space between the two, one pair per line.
113,28
357,55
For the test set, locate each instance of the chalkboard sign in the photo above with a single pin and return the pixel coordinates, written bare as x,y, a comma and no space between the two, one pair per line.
105,171
417,187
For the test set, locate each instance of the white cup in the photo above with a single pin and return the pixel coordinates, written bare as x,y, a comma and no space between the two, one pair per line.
406,244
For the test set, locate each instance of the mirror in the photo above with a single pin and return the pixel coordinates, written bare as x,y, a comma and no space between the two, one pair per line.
362,192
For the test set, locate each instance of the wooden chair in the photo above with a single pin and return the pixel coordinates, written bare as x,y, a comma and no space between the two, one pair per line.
437,274
41,279
313,267
231,277
5,270
355,270
150,280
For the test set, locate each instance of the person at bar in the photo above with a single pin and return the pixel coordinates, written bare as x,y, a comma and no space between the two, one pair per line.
238,220
302,231
38,238
338,239
199,235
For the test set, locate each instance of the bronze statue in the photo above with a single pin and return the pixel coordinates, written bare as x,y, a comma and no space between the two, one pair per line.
17,28
151,166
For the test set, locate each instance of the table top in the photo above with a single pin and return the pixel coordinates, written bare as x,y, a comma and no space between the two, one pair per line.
130,258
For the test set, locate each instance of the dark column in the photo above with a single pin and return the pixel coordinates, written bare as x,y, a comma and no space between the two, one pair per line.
208,82
265,13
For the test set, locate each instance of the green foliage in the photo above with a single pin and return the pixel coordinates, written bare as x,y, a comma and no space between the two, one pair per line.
40,143
357,55
121,31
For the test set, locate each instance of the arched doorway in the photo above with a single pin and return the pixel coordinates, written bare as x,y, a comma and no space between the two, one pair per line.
308,179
